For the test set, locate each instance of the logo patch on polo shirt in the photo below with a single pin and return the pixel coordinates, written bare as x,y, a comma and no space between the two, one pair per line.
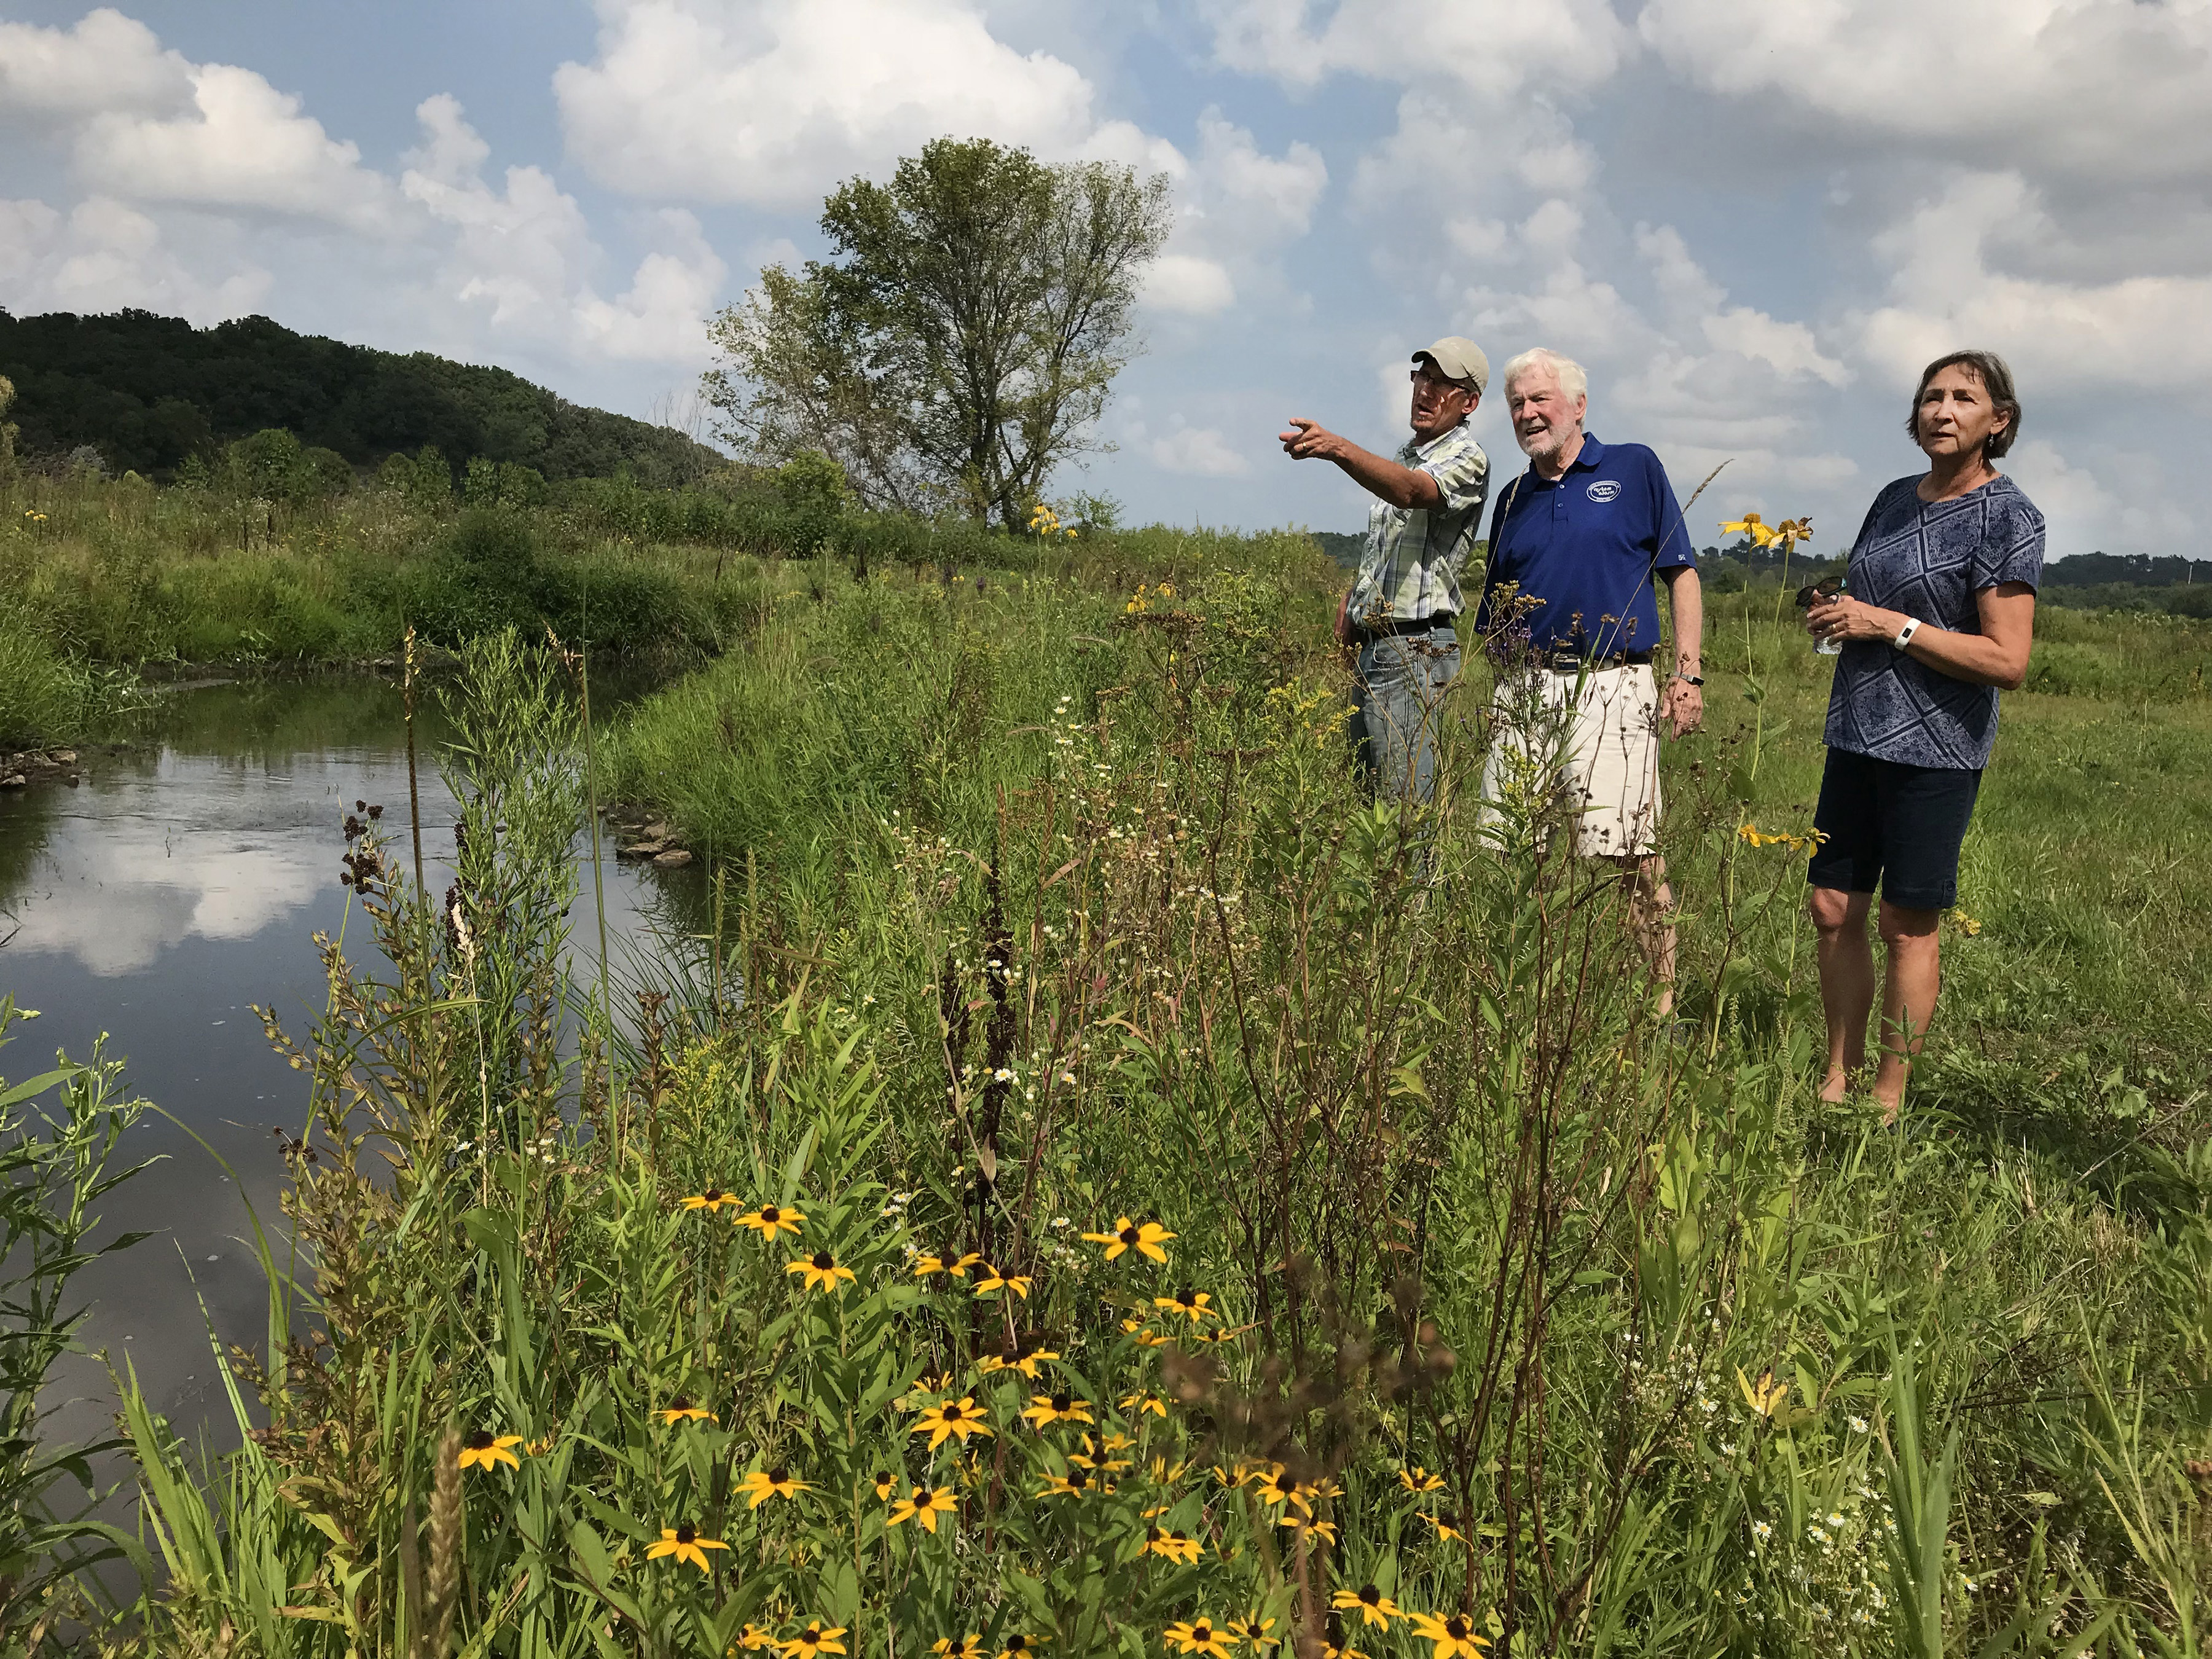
1604,490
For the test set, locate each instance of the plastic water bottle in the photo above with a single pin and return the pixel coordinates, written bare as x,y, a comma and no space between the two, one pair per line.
1826,645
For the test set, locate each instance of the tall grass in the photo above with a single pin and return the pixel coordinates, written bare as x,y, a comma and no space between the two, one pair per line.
1475,1289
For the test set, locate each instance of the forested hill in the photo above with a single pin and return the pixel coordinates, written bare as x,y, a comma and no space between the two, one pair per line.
149,391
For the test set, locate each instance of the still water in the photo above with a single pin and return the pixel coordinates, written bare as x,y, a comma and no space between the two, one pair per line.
176,883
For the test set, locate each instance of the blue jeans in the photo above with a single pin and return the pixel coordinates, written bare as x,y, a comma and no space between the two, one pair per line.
1397,704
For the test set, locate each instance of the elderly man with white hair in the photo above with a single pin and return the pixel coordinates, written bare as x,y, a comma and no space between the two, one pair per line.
1569,605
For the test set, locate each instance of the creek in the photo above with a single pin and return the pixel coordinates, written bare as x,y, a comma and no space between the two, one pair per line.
179,879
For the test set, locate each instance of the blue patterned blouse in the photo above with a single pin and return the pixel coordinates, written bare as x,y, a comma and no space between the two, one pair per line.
1929,559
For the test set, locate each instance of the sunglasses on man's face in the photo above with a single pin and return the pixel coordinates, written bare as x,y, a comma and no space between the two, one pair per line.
1817,592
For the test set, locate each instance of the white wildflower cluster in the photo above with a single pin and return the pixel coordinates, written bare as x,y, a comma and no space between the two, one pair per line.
895,1207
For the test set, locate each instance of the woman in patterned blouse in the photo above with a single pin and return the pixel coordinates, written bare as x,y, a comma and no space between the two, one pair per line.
1940,615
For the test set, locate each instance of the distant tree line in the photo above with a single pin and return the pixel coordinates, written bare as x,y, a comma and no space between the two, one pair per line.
150,393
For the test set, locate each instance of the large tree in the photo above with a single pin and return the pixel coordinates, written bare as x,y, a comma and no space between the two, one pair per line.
962,342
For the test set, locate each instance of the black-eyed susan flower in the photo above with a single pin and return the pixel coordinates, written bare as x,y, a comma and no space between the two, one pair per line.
1076,1483
957,1266
710,1201
1165,1473
965,1647
954,1417
1324,1530
1024,1361
1017,1646
681,1410
1239,1472
1094,1456
1445,1528
820,1272
752,1638
1253,1629
816,1638
1199,1636
1179,1547
1129,1235
1372,1606
1449,1638
769,1219
1334,1645
761,1484
1766,1396
1046,1409
1418,1480
990,1279
684,1544
885,1484
1144,1335
1141,1401
485,1450
924,1505
1276,1487
1196,1306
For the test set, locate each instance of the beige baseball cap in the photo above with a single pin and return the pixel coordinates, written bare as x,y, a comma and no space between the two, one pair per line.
1458,358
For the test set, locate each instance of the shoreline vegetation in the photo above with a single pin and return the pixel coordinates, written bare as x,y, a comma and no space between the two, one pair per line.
1095,1186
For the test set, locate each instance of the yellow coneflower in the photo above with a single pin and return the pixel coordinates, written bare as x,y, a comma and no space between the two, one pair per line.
1140,1402
1197,1306
923,1505
1254,1630
1324,1530
684,1543
1374,1606
1127,1235
953,1417
819,1271
926,1264
752,1638
1177,1546
1445,1529
1418,1479
769,1219
1076,1483
1276,1487
1091,1458
813,1640
989,1278
885,1484
1025,1362
680,1410
1449,1638
967,1647
484,1449
1046,1409
761,1484
1199,1636
1018,1646
710,1201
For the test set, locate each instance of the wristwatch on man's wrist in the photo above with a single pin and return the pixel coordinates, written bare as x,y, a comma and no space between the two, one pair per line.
1905,634
1689,679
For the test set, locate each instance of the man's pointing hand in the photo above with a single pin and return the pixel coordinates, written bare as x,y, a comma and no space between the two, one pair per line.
1311,441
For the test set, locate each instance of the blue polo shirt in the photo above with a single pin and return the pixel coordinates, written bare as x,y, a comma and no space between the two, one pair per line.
1586,546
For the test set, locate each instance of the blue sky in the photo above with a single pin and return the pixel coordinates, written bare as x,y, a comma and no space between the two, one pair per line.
1752,222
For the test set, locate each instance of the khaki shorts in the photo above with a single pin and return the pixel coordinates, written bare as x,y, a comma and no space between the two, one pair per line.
1600,750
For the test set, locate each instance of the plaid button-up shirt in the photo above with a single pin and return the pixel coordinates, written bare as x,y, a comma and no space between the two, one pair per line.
1410,571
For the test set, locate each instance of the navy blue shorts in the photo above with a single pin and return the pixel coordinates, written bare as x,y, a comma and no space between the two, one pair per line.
1892,825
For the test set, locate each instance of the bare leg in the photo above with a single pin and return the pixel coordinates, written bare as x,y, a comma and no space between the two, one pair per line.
1846,961
1650,900
1908,996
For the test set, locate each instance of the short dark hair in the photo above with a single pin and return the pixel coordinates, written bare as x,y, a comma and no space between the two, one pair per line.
1997,380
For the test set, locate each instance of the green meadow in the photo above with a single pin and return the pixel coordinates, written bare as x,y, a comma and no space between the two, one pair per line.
1087,1182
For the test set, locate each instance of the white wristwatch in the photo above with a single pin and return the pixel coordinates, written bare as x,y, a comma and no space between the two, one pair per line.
1905,634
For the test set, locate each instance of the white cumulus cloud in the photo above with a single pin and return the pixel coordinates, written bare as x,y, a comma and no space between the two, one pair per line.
1198,450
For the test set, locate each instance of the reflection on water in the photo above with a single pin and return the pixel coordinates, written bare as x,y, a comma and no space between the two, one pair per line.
174,885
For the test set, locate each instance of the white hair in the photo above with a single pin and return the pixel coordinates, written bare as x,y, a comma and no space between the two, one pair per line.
1572,381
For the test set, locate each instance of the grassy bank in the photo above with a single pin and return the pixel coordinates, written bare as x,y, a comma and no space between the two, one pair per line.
1168,1219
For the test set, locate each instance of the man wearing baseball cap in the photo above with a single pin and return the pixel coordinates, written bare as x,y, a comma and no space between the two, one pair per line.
1402,606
